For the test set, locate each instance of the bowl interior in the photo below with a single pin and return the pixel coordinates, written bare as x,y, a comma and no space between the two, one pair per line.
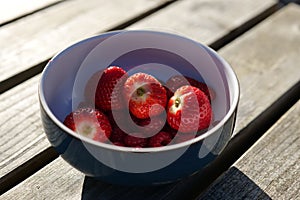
160,54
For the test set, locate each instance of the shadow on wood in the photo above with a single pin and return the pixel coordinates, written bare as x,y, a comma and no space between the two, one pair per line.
235,184
289,1
95,189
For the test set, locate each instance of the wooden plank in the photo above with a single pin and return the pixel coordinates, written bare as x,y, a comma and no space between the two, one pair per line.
28,138
245,68
14,9
202,20
270,169
67,183
31,139
263,59
58,180
38,37
22,133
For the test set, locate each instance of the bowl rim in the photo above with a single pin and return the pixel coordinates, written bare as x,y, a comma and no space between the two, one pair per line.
232,109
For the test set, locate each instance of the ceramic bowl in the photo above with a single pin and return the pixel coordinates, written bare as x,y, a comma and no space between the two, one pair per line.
161,55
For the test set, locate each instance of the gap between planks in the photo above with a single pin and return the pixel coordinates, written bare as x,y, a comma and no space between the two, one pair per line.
37,69
33,9
29,73
236,147
218,44
237,32
43,158
27,169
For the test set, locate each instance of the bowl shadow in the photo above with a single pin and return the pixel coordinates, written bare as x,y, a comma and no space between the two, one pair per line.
233,185
95,189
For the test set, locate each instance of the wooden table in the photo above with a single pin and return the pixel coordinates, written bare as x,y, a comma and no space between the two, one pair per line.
260,39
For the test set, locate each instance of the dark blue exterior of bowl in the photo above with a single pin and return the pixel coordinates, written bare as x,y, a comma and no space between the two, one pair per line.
75,153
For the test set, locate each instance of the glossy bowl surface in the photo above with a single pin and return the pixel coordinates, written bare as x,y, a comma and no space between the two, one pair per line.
162,55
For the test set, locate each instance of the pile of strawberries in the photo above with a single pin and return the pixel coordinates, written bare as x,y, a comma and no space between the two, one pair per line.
140,111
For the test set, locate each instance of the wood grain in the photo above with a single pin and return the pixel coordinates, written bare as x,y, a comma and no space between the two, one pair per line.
202,20
14,9
67,183
263,59
38,37
268,170
24,143
22,133
245,54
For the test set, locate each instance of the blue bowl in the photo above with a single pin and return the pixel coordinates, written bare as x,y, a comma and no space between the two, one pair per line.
162,55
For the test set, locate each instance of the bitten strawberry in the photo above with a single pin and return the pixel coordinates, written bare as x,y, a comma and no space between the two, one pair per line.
145,95
189,110
108,91
177,81
160,139
89,122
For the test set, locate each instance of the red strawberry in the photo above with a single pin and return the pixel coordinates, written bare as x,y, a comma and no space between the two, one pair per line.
145,94
170,130
89,122
133,141
150,126
120,119
117,135
189,110
177,81
182,137
160,139
108,86
120,144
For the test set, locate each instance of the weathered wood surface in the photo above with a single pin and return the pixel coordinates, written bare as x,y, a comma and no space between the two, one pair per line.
268,170
202,20
22,134
39,36
254,56
265,61
31,139
57,180
14,9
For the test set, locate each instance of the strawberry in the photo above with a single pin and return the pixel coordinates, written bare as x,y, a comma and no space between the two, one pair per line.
117,135
177,81
134,141
189,110
120,144
145,94
150,126
120,119
89,122
160,139
108,86
182,137
169,129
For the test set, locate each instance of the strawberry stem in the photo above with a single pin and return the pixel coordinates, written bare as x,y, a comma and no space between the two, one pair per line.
140,91
177,102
